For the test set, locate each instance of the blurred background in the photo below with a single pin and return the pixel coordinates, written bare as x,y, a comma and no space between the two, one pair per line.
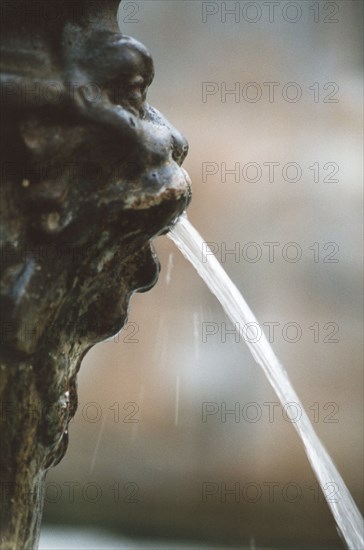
155,458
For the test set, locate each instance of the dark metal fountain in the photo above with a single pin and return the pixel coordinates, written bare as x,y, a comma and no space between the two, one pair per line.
89,175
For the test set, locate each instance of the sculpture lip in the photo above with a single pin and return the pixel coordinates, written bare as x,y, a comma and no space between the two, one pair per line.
170,183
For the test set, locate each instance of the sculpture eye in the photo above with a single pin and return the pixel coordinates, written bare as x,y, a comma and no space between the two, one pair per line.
136,89
121,66
130,92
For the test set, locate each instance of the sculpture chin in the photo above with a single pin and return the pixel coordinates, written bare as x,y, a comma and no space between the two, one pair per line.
147,276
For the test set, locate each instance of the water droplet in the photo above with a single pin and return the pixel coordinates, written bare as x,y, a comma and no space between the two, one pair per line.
176,408
169,268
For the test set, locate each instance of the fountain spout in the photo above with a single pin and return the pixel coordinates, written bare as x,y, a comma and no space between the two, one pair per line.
90,173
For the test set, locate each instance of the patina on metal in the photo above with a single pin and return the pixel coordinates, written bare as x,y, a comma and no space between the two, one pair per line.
90,173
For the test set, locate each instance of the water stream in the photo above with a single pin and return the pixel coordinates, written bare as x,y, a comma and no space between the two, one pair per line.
338,497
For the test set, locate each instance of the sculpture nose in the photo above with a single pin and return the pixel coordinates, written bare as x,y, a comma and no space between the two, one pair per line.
178,143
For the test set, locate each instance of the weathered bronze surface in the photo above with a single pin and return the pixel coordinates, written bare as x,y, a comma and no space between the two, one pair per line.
90,173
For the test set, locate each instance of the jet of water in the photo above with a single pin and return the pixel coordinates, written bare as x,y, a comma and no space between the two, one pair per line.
343,507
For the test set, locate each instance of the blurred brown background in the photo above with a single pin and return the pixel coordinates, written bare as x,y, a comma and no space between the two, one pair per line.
140,455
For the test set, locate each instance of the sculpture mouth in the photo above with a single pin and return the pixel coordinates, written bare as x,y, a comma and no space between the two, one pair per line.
173,184
159,212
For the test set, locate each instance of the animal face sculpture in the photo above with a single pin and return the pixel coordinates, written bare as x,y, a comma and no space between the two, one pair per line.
95,172
90,174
